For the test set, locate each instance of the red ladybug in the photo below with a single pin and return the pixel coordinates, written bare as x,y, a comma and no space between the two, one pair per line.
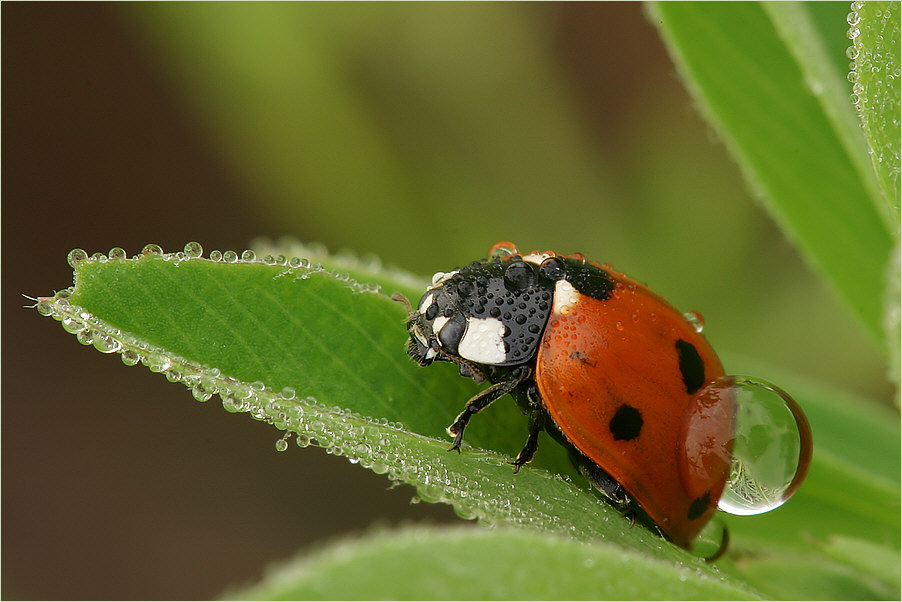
609,368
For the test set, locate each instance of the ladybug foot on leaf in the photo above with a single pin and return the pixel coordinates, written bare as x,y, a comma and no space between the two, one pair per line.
536,424
457,430
630,515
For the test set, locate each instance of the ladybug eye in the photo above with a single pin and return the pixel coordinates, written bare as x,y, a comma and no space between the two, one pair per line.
450,331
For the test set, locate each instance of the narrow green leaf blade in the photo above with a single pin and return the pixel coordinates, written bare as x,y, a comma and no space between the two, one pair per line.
815,35
755,93
874,29
794,576
469,564
879,561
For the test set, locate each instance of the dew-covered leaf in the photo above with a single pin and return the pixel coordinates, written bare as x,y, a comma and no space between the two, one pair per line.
320,356
874,29
796,151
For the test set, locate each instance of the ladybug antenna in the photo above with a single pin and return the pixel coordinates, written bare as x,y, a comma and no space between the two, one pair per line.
402,299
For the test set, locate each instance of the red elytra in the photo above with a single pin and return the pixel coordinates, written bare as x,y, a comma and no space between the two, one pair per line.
601,356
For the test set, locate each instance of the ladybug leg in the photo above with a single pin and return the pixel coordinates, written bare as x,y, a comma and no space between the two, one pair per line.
630,515
480,401
536,424
602,481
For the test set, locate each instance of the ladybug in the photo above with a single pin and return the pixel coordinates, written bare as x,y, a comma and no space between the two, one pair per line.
606,366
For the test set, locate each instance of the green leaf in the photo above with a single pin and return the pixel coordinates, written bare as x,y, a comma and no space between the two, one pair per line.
809,577
874,29
317,354
815,35
867,558
469,564
765,79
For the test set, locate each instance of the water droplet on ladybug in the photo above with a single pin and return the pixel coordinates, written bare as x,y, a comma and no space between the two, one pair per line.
519,276
696,319
503,249
764,453
771,448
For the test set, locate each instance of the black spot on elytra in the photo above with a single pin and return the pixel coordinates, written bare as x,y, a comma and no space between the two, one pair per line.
691,366
699,506
626,423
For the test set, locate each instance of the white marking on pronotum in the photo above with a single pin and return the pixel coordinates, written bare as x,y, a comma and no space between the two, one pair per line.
439,277
536,258
565,297
482,342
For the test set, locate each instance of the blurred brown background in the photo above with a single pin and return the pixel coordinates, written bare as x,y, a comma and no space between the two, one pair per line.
117,484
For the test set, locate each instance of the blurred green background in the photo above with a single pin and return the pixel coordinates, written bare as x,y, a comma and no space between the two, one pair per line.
421,133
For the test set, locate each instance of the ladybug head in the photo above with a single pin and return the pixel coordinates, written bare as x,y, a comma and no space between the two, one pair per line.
489,313
436,327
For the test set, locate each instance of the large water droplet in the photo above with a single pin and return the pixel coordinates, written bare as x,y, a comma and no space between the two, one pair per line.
771,449
768,446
